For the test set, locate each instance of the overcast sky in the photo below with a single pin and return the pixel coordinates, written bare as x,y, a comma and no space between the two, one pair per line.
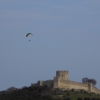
66,36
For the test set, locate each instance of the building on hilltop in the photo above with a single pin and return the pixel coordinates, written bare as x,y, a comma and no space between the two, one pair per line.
61,81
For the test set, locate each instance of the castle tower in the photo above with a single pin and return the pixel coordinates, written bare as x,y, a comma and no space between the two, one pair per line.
90,85
60,75
40,83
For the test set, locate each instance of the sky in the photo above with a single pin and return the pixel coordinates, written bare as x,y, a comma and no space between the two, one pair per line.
66,36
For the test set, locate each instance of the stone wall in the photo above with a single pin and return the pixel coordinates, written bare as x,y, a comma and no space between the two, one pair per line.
61,81
95,90
73,85
49,83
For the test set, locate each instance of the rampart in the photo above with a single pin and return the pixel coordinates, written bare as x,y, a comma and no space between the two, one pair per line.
61,81
42,83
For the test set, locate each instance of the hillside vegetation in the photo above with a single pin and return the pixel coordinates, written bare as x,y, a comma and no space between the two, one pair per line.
46,93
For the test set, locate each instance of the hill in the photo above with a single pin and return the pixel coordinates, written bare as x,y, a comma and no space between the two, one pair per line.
46,93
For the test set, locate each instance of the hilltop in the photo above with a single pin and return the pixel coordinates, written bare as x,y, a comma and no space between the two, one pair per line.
46,93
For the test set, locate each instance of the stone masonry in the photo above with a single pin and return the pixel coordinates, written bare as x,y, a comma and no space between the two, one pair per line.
61,81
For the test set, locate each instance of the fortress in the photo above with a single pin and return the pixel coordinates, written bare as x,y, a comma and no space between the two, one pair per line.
61,81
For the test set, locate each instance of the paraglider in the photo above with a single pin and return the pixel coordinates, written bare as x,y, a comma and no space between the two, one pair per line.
28,34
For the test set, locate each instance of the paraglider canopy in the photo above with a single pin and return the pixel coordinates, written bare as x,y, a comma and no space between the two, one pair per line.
28,34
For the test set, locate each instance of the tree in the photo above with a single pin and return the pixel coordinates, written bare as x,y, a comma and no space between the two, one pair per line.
93,81
85,80
11,88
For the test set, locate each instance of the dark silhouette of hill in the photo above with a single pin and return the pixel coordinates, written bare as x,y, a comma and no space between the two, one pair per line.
45,93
